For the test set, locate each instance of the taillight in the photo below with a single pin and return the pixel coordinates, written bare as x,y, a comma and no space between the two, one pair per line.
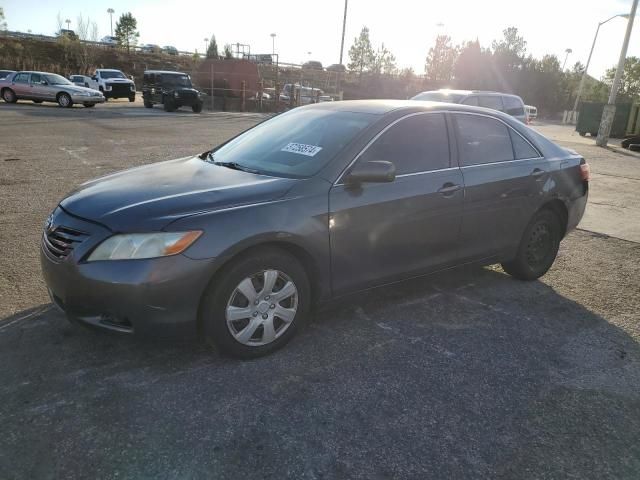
585,171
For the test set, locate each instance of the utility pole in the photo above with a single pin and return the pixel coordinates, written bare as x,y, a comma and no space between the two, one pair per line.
273,44
344,26
111,11
68,22
567,51
610,108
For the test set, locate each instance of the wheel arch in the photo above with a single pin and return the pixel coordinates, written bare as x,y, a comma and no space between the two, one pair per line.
300,253
558,207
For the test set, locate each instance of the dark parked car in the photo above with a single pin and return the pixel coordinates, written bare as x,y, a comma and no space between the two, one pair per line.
240,242
313,65
170,89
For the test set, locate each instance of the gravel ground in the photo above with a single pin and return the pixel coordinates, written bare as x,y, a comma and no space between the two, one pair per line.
468,374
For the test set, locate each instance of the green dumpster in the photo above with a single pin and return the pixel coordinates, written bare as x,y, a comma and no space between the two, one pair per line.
590,113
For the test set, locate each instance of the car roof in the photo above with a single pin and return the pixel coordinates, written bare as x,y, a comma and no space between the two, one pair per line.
164,71
35,71
108,70
471,92
382,107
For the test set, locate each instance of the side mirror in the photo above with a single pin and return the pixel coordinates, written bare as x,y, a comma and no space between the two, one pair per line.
43,82
376,171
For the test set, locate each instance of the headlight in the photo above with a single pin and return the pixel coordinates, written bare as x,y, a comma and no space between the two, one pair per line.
83,94
107,87
176,94
143,245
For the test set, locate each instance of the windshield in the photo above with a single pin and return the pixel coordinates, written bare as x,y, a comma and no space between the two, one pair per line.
294,144
53,79
104,74
439,97
176,80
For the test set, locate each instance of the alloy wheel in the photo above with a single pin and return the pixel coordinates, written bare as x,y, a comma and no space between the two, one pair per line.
261,308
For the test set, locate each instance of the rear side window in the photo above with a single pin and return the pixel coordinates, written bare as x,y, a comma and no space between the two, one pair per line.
21,78
490,101
521,147
513,106
36,78
418,143
482,140
471,101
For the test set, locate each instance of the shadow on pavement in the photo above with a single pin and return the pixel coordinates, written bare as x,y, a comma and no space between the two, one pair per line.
465,375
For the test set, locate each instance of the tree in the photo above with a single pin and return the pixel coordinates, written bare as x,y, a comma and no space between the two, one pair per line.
510,50
384,62
630,84
3,23
361,53
126,31
440,60
212,49
472,68
86,52
228,52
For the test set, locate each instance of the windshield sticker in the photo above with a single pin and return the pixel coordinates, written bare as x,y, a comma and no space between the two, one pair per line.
301,149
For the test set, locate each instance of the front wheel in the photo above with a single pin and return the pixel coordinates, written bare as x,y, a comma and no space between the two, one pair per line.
37,101
197,108
169,105
258,304
89,105
538,248
132,98
64,100
148,104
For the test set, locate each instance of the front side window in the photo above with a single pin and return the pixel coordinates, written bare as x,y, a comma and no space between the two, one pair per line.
490,101
36,78
21,78
295,144
513,106
415,144
173,80
482,140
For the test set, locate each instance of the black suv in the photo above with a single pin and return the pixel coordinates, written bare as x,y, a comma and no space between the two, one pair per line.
171,89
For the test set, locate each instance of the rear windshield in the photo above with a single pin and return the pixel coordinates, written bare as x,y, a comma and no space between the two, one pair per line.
295,144
439,97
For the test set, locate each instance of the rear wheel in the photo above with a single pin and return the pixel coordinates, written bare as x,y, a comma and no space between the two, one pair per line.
89,105
9,96
64,100
538,248
37,101
148,104
258,304
132,98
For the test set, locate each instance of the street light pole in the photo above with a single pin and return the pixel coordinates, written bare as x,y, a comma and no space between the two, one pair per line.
206,46
68,22
273,44
567,51
586,67
609,111
344,26
111,11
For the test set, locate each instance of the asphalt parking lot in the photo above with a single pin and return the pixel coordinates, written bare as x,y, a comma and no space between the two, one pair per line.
468,374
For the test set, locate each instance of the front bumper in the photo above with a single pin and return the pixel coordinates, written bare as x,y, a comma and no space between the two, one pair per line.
118,90
87,99
151,297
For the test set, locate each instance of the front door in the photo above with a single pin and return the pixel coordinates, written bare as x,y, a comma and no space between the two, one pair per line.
386,231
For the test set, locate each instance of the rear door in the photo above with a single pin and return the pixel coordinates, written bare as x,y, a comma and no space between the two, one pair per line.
504,176
387,231
513,106
20,85
493,102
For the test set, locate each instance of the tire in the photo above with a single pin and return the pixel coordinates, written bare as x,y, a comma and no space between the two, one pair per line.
538,247
148,104
37,101
230,335
9,96
169,105
583,134
89,105
64,100
197,108
132,98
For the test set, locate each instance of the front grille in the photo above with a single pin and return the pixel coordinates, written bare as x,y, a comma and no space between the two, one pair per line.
120,88
61,241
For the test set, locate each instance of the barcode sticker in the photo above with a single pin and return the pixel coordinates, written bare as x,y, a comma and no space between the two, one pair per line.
301,149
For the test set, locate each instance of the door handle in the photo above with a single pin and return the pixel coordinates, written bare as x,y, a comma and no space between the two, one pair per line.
449,189
538,173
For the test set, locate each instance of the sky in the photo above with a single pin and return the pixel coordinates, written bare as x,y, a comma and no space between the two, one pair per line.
312,30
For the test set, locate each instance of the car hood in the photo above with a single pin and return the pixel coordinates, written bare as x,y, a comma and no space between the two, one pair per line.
79,89
118,80
150,197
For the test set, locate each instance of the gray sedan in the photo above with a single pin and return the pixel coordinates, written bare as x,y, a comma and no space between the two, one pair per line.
47,87
239,243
